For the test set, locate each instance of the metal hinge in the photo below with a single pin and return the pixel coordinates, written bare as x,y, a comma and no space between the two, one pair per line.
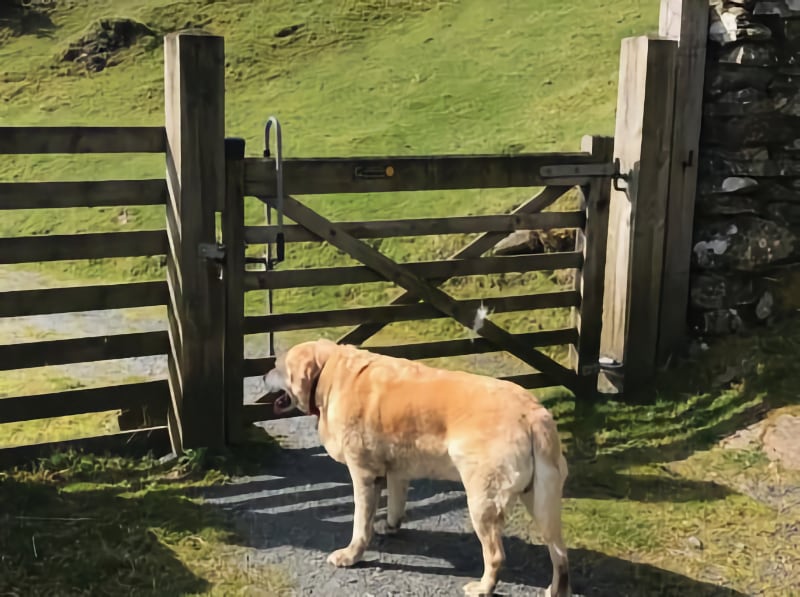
577,170
574,174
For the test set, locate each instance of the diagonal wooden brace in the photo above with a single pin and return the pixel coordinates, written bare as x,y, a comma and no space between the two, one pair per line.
476,248
443,302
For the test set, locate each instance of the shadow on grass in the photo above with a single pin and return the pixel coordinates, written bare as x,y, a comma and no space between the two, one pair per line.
690,408
90,525
93,542
20,18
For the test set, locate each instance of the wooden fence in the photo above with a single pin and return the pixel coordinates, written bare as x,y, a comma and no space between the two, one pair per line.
152,396
200,402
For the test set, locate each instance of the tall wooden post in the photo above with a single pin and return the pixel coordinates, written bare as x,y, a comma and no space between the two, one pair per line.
194,69
685,21
233,235
643,145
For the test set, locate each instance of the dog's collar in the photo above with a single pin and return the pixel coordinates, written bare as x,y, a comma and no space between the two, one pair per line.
313,409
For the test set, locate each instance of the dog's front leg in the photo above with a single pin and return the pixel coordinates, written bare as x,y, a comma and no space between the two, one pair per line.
365,498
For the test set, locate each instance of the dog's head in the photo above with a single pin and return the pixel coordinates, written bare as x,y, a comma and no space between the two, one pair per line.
296,373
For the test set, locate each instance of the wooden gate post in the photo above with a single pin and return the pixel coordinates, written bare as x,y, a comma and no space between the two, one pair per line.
634,263
685,21
233,237
194,72
588,318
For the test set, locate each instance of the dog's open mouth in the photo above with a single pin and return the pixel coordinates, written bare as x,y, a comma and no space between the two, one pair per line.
283,404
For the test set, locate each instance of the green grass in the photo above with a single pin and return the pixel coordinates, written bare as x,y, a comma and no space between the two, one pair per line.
370,77
647,483
83,525
360,77
648,480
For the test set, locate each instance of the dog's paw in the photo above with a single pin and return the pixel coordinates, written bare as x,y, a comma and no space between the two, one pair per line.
382,527
549,593
341,558
478,589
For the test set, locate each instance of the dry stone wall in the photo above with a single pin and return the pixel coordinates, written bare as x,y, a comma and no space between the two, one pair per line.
747,224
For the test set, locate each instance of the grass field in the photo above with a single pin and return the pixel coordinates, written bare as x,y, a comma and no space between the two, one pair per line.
360,77
370,77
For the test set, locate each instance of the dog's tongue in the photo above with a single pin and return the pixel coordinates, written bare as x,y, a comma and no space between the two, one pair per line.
282,404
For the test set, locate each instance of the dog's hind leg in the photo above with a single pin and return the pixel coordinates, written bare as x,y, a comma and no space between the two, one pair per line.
543,503
365,499
487,506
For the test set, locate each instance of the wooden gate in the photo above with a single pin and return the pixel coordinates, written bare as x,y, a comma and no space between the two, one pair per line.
590,170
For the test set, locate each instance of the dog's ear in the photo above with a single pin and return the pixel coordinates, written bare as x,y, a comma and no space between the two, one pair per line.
304,363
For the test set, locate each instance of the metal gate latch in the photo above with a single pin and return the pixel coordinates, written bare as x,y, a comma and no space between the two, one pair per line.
212,251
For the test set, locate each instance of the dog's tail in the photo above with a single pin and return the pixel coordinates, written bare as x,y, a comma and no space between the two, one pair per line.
549,474
547,451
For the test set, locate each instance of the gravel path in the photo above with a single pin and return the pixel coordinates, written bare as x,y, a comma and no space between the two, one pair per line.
302,510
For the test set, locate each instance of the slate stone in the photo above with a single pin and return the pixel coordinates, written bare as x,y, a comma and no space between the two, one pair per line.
722,291
749,54
745,243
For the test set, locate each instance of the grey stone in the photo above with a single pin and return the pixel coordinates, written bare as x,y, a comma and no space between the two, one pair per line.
783,212
764,306
773,191
719,164
695,542
726,184
751,101
737,184
751,131
536,241
749,54
745,243
781,83
722,291
726,204
782,8
738,102
791,31
720,322
723,78
732,23
96,48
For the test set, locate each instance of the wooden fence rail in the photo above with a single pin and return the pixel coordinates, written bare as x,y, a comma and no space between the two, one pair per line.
98,245
151,398
505,223
149,395
100,193
282,322
82,139
46,301
82,350
451,268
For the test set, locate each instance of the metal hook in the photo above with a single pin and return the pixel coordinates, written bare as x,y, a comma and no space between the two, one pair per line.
279,238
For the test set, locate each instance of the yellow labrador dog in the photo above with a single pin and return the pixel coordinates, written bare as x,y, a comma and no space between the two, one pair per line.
391,418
